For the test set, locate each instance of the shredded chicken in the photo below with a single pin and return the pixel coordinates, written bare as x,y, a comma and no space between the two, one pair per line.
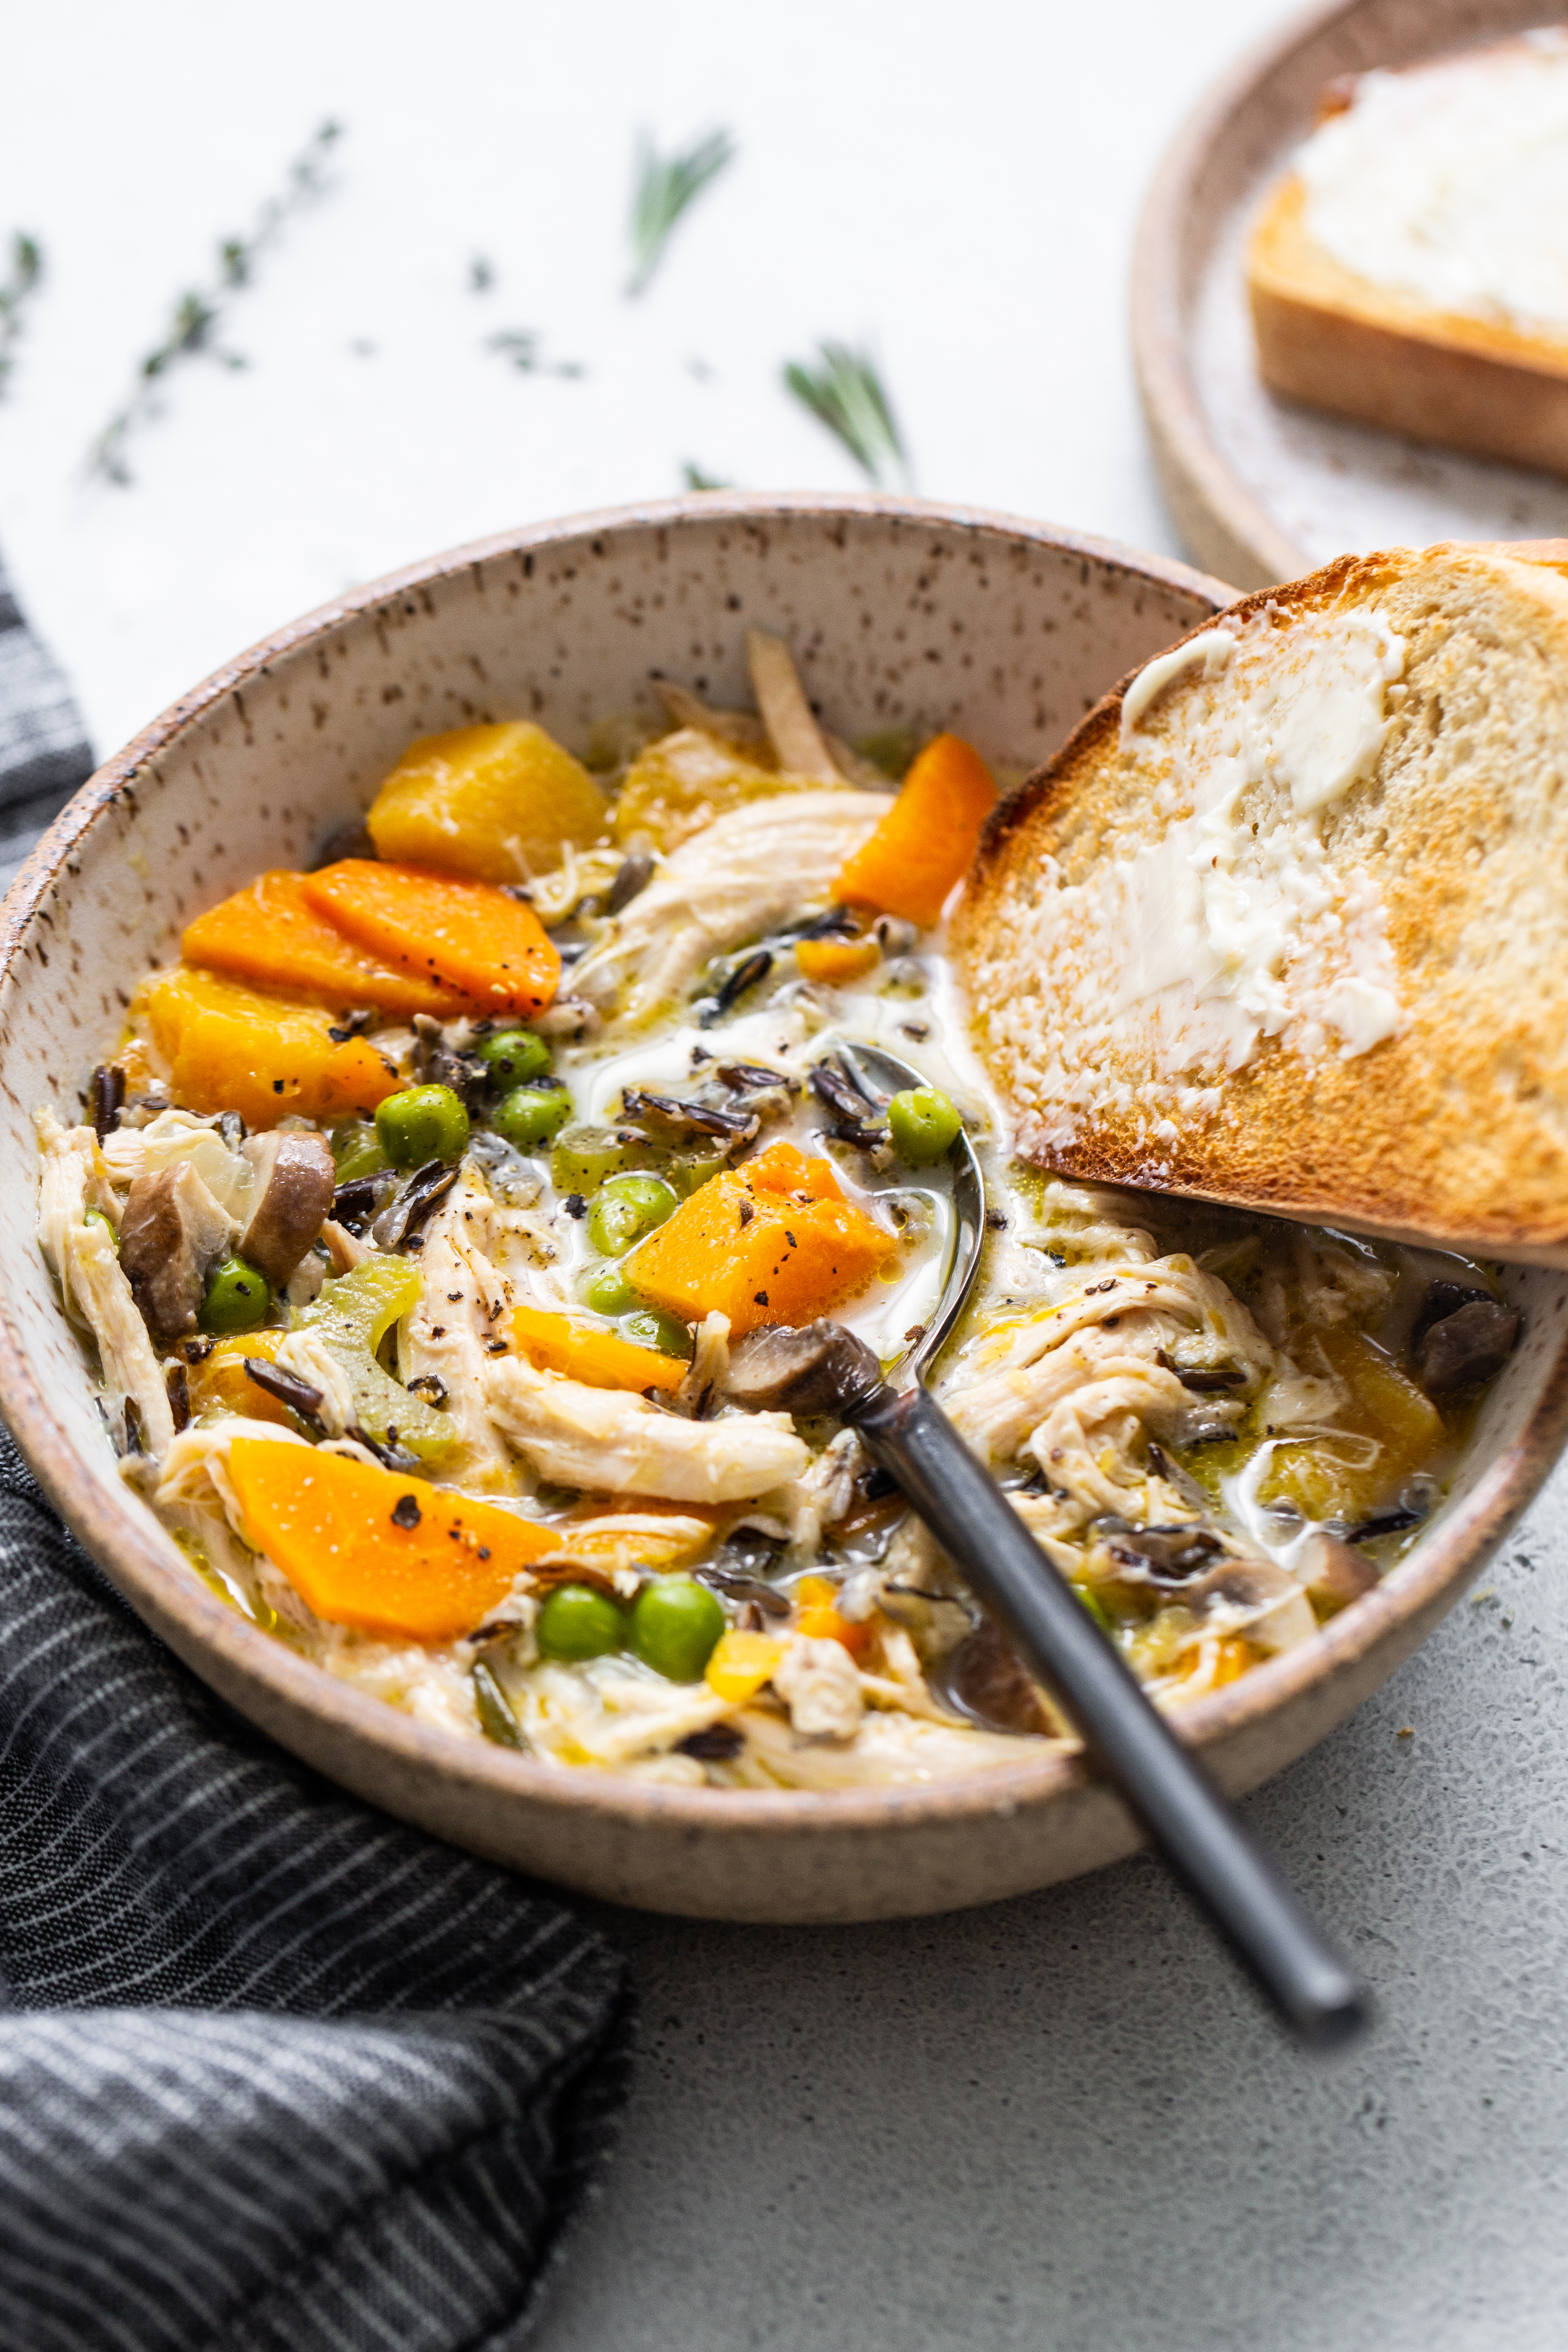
613,1442
1096,1356
96,1294
463,1306
791,723
710,1363
819,1497
890,1748
176,1137
739,877
819,1684
621,1545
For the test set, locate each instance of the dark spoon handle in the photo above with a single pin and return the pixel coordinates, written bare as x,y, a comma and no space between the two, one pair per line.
1160,1781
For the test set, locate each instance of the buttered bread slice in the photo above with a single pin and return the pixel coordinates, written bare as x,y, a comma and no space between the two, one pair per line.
1411,269
1285,922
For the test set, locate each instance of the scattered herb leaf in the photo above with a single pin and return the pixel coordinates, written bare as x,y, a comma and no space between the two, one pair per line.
667,185
481,274
523,346
198,312
19,283
696,479
844,391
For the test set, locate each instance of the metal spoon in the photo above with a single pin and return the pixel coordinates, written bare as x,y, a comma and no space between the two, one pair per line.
904,1429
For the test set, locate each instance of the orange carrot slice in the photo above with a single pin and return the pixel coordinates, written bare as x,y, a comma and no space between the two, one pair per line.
455,934
271,936
602,1359
924,843
773,1241
372,1549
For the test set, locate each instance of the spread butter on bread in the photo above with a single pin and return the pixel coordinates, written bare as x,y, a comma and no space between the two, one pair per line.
1411,270
1285,921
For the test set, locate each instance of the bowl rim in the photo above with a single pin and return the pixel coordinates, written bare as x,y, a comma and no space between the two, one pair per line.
134,1552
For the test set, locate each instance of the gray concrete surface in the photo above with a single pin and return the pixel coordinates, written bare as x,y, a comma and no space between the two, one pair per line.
1062,2122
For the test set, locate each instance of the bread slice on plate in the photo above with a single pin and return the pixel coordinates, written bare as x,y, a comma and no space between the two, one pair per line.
1411,270
1285,921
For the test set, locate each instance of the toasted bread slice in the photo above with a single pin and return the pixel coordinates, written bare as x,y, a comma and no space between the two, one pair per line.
1471,372
1285,922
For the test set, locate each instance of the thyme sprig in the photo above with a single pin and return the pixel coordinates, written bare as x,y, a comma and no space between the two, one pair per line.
199,312
27,268
844,391
665,188
524,347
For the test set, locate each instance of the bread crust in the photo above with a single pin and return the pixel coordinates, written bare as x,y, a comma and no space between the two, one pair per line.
1454,1131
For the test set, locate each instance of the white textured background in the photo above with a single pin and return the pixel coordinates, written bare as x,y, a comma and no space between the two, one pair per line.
1060,2123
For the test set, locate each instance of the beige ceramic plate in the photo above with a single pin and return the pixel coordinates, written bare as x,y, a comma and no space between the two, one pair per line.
899,611
1260,490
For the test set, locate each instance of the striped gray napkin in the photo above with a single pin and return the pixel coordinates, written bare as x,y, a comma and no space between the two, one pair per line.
276,2073
44,750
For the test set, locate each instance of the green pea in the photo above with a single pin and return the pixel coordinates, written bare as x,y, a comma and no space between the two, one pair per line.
236,1297
923,1124
531,1116
584,1156
651,1328
675,1623
356,1150
607,1290
97,1217
420,1124
576,1622
627,1207
510,1056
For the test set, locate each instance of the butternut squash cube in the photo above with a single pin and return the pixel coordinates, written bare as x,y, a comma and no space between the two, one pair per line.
496,802
1390,1428
924,843
773,1241
373,1548
586,1352
229,1047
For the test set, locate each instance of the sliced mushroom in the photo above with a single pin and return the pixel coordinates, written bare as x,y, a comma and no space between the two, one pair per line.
821,1368
1164,1555
1279,1614
985,1679
1331,1574
1467,1348
294,1183
171,1233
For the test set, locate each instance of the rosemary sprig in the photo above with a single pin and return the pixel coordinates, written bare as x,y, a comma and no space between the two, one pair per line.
845,393
524,347
696,479
27,268
665,188
199,312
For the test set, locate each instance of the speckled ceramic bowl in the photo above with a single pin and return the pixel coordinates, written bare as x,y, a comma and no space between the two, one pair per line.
899,611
